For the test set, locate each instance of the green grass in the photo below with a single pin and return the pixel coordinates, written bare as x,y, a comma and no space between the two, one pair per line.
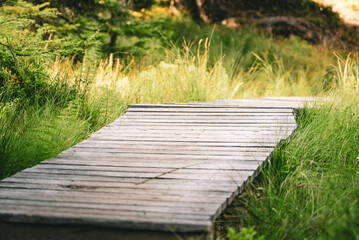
235,48
310,188
31,131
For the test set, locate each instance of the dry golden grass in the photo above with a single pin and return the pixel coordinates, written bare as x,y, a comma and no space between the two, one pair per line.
187,78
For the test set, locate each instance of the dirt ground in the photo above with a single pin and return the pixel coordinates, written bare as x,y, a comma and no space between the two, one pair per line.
347,9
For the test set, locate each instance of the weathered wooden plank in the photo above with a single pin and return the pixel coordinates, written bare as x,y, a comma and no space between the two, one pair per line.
149,160
116,148
242,151
131,189
178,174
201,106
225,127
146,127
110,219
196,131
203,154
175,165
233,187
44,167
102,214
208,206
202,132
135,198
225,191
205,121
178,134
180,184
169,146
209,110
204,135
242,147
159,168
248,165
126,194
255,118
170,141
246,154
116,140
212,110
200,211
207,114
207,125
79,180
127,177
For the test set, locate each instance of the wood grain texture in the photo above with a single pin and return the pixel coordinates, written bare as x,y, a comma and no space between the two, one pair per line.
161,167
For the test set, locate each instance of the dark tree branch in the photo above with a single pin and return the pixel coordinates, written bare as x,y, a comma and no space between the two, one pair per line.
11,49
92,30
7,21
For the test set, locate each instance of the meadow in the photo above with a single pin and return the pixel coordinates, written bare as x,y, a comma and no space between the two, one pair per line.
310,188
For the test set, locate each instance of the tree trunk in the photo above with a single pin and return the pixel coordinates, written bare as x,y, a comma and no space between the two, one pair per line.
112,39
208,10
112,36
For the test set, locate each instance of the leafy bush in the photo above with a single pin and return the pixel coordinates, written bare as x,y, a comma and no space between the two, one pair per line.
244,234
26,49
23,53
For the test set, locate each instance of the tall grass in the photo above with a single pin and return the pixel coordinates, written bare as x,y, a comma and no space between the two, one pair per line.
215,64
310,189
31,131
82,97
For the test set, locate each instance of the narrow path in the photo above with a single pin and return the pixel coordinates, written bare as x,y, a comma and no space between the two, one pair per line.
155,171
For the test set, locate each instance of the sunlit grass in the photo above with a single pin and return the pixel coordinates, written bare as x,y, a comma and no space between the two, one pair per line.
192,73
310,188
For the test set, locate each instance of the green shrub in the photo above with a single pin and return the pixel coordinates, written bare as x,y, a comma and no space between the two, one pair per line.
22,79
244,234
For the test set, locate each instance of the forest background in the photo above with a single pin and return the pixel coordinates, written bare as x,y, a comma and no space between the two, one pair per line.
67,68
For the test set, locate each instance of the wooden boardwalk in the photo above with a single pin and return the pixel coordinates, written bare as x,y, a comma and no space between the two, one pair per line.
161,168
